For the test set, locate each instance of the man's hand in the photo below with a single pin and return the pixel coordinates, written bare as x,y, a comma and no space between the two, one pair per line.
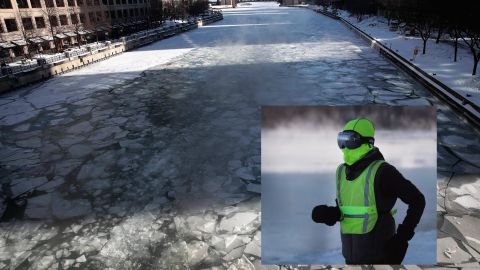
396,247
326,214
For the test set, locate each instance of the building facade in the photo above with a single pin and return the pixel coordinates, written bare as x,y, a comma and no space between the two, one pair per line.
33,26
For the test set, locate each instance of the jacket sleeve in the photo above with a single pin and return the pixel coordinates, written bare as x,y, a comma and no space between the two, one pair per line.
394,185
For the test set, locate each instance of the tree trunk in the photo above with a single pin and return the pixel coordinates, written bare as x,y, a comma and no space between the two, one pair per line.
439,34
424,45
475,64
53,38
456,50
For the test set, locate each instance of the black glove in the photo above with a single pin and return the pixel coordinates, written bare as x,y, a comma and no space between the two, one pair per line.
396,247
326,214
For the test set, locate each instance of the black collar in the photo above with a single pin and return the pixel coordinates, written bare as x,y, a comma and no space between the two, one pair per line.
354,170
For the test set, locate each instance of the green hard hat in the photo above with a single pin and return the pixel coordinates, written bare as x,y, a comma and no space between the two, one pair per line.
362,126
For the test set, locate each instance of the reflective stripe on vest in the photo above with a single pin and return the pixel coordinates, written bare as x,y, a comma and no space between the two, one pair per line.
359,215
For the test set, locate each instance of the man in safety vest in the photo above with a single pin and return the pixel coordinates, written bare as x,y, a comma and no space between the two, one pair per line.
367,188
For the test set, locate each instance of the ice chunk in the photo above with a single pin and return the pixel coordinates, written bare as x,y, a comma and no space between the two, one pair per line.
197,251
245,173
244,264
64,209
79,150
449,252
38,207
174,257
256,188
253,248
82,127
239,222
234,254
22,185
81,259
133,239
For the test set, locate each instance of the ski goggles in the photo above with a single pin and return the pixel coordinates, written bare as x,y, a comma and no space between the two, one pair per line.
351,139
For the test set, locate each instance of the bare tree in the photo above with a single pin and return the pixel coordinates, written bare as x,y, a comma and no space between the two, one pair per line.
77,24
424,21
27,30
425,29
454,33
472,39
52,18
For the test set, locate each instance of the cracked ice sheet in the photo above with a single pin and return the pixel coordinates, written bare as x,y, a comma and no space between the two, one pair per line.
162,161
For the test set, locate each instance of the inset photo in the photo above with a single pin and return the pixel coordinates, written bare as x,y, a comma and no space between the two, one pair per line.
349,185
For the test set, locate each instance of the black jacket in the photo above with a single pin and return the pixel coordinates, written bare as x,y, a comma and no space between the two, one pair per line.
389,185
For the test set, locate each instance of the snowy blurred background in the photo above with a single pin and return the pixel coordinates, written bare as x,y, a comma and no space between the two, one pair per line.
299,158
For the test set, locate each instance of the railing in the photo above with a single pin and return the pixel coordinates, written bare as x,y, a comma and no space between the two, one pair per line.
8,70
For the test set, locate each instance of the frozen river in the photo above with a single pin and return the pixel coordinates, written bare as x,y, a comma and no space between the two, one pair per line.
152,158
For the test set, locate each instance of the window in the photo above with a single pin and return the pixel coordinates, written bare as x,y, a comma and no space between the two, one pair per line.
134,1
22,3
35,3
60,3
99,16
53,20
49,3
125,13
124,2
131,13
71,3
136,12
63,20
74,18
112,14
96,2
104,2
5,4
82,18
40,22
89,2
118,2
11,25
110,2
107,14
91,17
130,2
119,13
27,23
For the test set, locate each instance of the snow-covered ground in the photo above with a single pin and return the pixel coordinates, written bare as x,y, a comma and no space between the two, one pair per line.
163,143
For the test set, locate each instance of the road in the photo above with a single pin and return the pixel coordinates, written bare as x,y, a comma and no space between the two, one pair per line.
152,158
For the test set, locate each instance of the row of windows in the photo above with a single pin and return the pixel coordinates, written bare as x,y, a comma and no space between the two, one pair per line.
7,4
125,13
61,20
11,24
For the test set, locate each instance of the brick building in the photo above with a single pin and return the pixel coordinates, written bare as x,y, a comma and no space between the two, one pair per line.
32,26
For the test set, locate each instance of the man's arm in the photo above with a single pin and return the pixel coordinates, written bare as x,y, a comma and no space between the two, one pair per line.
394,185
